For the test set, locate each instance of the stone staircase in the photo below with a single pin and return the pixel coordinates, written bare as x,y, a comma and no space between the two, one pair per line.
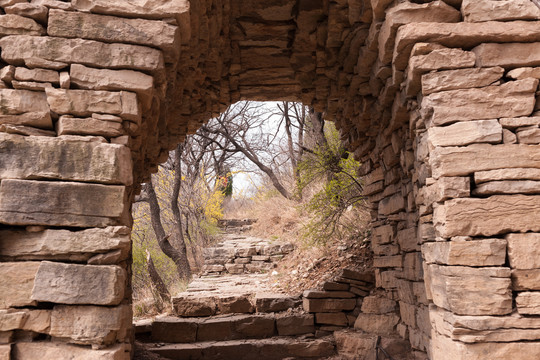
240,316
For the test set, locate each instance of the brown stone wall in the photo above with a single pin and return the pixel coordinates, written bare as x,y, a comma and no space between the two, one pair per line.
438,99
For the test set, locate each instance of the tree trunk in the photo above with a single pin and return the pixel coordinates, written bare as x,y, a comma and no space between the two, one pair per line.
157,281
163,239
178,232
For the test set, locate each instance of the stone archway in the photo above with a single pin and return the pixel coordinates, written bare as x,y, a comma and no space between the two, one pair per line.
437,100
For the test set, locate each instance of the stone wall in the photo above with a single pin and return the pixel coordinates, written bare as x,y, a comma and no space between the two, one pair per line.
437,99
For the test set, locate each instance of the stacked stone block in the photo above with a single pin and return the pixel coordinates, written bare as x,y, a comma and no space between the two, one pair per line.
438,100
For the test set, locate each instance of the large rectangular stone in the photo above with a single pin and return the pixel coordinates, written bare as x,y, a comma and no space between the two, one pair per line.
69,24
507,174
460,79
16,102
79,284
87,102
174,330
460,35
19,49
500,10
461,161
444,348
476,329
486,217
507,187
63,244
381,324
47,350
149,9
528,303
471,291
507,55
524,250
328,305
486,252
512,99
68,125
528,279
16,283
446,188
28,202
91,325
465,133
64,158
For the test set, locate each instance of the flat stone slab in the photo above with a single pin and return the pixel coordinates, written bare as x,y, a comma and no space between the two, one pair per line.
276,348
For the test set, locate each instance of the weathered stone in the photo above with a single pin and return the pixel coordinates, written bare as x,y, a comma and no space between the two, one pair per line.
19,25
439,59
15,102
509,137
188,306
528,136
42,75
59,351
153,9
275,303
475,329
351,343
334,286
336,318
12,320
526,279
79,284
462,161
408,314
524,250
313,294
378,305
528,303
471,291
174,330
34,119
404,13
5,352
95,325
486,217
26,202
506,174
33,11
235,304
487,252
408,240
18,50
391,205
68,125
462,35
507,55
69,24
360,276
381,324
290,325
460,79
508,187
29,85
16,283
68,158
465,133
500,10
523,73
328,305
511,99
104,79
63,244
388,261
446,188
86,102
444,348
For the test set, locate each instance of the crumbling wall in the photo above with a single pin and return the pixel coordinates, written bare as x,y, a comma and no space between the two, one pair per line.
435,98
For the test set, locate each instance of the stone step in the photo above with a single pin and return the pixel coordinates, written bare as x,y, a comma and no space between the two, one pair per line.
199,304
230,327
262,349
